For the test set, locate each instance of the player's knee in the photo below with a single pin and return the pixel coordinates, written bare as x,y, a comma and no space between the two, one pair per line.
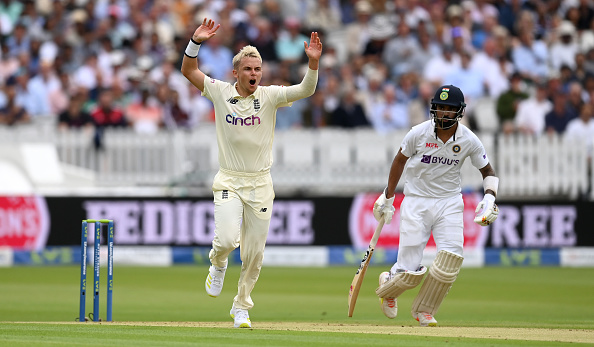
451,246
225,243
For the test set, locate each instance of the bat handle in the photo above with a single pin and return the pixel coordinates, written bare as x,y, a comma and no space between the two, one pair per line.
376,234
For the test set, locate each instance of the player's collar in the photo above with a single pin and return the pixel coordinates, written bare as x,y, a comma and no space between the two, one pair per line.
431,130
236,93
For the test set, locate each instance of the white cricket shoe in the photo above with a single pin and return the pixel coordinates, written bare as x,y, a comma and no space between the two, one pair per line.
425,319
241,318
214,280
389,305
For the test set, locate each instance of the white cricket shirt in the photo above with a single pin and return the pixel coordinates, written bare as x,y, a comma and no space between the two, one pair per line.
245,126
433,167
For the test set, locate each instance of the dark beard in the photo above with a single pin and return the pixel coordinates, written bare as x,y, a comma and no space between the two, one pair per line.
445,124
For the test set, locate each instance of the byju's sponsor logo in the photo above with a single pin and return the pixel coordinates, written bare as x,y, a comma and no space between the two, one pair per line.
247,121
428,159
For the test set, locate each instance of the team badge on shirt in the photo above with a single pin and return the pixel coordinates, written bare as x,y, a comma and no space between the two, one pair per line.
456,148
256,105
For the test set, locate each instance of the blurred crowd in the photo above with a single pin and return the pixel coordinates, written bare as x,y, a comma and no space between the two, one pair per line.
98,63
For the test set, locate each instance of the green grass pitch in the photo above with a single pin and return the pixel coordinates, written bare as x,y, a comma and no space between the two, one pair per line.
168,307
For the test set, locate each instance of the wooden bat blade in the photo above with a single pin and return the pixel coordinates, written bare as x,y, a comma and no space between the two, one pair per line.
360,275
358,280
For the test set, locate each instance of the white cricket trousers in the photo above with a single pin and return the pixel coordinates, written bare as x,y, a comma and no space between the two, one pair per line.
243,208
418,217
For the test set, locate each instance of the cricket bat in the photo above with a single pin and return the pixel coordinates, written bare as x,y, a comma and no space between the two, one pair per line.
358,279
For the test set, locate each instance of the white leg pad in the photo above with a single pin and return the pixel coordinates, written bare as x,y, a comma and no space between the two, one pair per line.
400,282
442,274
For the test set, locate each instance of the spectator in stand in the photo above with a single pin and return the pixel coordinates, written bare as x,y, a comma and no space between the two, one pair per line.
289,117
332,93
418,108
507,103
487,61
200,108
589,86
373,93
314,113
11,10
586,41
289,45
106,115
166,73
88,76
484,30
263,39
509,12
530,57
582,127
9,63
426,48
357,32
439,66
564,48
579,71
144,115
322,15
381,29
585,10
74,117
349,113
45,84
19,42
407,87
399,52
12,112
575,97
216,59
390,114
530,116
32,99
174,115
469,79
557,119
412,12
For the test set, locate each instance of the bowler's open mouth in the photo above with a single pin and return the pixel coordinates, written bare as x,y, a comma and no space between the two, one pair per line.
252,82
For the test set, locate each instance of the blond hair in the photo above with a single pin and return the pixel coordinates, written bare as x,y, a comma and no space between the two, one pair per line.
246,52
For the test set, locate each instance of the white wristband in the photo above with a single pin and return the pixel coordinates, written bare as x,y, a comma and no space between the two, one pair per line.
491,183
192,49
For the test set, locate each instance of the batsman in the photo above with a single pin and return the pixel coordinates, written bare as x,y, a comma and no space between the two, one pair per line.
430,157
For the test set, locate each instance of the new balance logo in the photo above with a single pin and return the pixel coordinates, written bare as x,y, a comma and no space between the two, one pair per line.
232,101
263,209
225,194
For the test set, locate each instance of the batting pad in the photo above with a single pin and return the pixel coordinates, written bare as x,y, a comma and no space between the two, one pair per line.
400,282
442,274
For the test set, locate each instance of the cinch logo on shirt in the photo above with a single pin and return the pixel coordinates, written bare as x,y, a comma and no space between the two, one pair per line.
427,159
431,145
242,121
